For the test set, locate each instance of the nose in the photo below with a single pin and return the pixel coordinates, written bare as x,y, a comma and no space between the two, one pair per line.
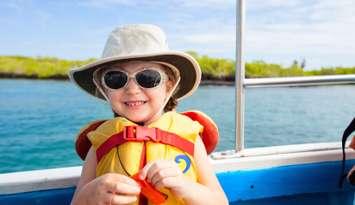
132,86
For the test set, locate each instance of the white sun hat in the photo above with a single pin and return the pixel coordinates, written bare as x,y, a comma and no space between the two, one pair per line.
142,42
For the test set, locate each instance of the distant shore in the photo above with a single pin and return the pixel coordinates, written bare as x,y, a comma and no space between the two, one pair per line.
215,71
34,77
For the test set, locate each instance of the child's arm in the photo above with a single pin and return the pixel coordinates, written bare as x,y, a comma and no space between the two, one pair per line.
107,189
167,174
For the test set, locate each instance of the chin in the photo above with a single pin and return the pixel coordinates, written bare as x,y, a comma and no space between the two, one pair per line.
138,118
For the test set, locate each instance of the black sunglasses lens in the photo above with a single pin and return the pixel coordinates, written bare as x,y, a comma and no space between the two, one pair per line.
115,79
148,78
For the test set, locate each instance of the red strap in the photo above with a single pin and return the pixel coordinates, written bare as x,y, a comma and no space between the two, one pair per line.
139,134
142,198
114,140
177,141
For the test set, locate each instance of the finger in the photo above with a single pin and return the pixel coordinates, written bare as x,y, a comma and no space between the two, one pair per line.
106,198
167,168
122,199
143,173
169,182
114,181
127,180
156,167
167,172
127,189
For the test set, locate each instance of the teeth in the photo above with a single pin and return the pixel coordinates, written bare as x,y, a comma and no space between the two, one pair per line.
134,103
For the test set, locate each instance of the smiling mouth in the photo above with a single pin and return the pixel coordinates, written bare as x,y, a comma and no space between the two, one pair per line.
134,103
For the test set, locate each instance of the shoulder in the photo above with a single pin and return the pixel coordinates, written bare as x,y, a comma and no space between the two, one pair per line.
181,122
195,122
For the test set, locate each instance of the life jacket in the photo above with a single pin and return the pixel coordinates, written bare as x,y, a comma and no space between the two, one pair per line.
209,134
123,147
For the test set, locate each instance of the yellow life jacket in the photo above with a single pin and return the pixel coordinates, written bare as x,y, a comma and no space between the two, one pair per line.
123,147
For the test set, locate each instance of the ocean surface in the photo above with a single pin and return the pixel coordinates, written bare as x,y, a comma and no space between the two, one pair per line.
40,118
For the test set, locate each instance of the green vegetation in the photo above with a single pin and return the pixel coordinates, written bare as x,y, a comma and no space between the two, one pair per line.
258,69
40,67
331,71
219,68
212,68
215,68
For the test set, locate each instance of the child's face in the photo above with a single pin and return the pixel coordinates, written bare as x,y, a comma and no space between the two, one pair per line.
135,102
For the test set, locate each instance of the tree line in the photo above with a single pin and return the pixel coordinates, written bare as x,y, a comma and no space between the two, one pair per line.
212,68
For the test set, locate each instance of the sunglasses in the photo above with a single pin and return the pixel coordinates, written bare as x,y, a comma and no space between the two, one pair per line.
147,78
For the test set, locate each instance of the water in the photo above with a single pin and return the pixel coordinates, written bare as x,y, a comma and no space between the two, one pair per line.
39,119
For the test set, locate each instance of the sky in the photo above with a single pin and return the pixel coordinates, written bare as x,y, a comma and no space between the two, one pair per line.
277,31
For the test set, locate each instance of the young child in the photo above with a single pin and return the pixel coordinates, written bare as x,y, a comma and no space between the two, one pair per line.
142,80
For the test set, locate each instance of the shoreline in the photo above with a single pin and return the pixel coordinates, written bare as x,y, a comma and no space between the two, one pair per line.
208,81
32,77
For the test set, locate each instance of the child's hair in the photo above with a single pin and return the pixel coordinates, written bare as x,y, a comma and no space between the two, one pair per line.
172,102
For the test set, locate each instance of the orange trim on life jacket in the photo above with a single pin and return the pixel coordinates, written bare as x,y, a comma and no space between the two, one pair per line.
82,143
139,134
209,135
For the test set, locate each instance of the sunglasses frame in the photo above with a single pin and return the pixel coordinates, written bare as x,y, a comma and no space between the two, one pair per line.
162,74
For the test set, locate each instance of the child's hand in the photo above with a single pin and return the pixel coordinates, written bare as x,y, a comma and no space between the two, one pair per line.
112,189
164,173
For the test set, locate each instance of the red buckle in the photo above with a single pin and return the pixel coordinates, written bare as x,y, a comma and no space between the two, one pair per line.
146,133
140,133
129,133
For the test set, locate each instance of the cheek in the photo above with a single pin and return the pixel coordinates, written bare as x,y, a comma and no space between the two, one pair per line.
157,96
114,97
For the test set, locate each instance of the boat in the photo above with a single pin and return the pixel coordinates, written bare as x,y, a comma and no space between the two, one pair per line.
288,174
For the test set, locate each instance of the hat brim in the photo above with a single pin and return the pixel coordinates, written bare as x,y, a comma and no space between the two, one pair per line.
190,72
